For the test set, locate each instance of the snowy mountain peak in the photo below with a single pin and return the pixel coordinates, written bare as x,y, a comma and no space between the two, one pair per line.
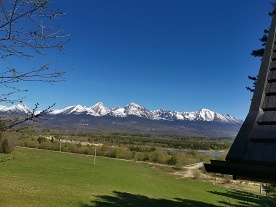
134,105
100,109
78,109
19,108
132,109
137,110
75,109
205,110
206,114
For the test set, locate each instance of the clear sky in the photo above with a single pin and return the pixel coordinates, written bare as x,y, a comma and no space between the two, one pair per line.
180,55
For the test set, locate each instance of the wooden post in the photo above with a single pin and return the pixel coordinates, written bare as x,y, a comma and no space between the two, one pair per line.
95,155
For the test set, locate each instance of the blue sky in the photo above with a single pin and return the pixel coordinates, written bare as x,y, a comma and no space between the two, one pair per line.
178,55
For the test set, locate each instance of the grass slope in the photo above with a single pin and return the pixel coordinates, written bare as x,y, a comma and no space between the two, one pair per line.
32,177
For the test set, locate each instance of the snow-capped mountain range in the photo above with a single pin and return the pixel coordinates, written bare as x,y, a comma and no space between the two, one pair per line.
132,109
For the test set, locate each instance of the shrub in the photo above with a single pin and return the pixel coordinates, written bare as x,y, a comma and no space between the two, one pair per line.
73,148
176,159
101,150
227,179
270,189
86,150
146,156
31,144
139,156
110,152
123,153
159,157
41,140
5,146
196,174
48,145
178,166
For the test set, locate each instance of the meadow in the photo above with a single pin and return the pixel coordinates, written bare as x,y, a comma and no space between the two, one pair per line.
33,177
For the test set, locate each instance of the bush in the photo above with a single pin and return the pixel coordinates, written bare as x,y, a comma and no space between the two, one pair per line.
73,148
196,174
31,144
5,147
176,159
101,150
8,143
123,153
49,146
41,140
87,150
146,156
159,157
270,189
110,152
178,166
139,156
64,148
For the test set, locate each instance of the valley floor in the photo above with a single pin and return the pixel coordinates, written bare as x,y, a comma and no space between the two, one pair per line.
31,177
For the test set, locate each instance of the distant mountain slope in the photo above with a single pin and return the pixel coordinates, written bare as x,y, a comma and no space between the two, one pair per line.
134,109
136,118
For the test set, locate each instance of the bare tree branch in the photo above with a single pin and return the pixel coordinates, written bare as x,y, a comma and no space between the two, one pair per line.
32,116
28,29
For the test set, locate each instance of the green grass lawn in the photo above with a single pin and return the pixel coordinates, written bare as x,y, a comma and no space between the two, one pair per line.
32,177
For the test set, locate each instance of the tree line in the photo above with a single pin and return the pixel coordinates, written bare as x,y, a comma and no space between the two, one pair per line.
136,153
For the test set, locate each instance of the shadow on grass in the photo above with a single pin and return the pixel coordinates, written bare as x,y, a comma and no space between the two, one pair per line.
121,199
233,198
244,199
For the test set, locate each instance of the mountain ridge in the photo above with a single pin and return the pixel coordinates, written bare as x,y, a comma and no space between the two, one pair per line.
132,109
134,118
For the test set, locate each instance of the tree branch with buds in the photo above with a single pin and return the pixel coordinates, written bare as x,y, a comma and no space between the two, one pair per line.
28,29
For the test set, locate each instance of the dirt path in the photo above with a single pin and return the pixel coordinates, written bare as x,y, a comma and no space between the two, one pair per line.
190,170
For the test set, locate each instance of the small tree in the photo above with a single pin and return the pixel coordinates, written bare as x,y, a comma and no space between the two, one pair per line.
5,147
41,140
270,189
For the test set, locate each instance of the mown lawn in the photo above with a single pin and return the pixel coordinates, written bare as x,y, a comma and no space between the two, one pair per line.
31,177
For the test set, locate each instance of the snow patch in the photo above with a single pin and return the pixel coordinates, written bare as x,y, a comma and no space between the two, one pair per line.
99,109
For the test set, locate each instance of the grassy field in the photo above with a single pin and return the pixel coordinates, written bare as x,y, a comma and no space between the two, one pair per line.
34,178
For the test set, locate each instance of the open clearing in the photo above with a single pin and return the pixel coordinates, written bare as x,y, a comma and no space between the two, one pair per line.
33,178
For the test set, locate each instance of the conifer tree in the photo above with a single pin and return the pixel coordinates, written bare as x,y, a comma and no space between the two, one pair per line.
260,52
